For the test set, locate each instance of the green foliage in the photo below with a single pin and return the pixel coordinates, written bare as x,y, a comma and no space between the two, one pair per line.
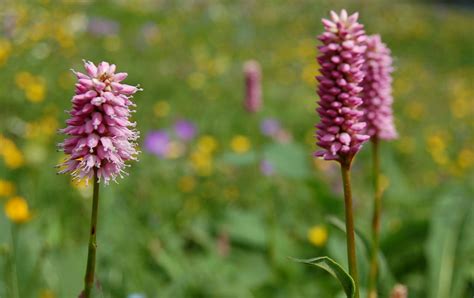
450,247
335,270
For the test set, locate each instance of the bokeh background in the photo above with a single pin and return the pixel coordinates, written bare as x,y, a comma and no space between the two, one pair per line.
225,197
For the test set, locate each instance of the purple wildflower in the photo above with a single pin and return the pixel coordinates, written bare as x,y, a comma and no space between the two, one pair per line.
99,26
270,127
101,136
185,130
340,131
157,142
266,168
377,93
253,88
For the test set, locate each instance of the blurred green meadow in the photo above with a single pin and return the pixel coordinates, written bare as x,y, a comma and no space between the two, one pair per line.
219,214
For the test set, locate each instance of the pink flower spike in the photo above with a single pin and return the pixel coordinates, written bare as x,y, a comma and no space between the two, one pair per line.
377,93
253,88
341,59
101,137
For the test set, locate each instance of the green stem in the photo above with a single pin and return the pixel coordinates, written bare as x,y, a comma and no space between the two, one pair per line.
14,273
351,249
375,219
89,278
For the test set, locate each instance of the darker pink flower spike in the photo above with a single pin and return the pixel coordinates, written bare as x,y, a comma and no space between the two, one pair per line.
100,134
340,131
377,93
253,88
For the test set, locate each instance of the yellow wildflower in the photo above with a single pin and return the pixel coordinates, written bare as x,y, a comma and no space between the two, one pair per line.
45,127
466,158
7,188
187,183
23,79
161,108
16,209
47,294
318,235
196,80
5,50
207,144
11,154
415,110
240,144
202,163
35,92
33,86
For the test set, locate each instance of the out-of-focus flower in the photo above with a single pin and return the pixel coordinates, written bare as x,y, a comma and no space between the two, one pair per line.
223,244
47,294
157,142
187,183
466,158
5,50
196,80
176,149
340,131
399,291
270,127
266,168
161,108
377,90
253,88
45,127
185,130
318,235
7,188
283,136
16,209
202,163
33,86
101,136
436,146
149,34
240,144
207,144
12,156
99,26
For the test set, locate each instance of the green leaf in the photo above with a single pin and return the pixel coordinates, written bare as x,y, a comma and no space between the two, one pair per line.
386,279
289,160
449,247
335,270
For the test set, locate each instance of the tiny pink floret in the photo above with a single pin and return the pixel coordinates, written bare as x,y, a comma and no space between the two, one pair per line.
101,137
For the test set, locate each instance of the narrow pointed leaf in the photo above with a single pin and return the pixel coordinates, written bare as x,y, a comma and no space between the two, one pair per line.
336,270
386,279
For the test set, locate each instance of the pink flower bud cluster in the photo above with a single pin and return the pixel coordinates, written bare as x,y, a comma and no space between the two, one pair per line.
377,93
101,137
253,88
340,132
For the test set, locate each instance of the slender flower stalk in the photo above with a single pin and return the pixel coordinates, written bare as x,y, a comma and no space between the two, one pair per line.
377,106
372,290
101,138
340,132
90,269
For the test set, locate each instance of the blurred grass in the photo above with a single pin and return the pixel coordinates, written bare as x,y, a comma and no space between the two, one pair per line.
159,238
